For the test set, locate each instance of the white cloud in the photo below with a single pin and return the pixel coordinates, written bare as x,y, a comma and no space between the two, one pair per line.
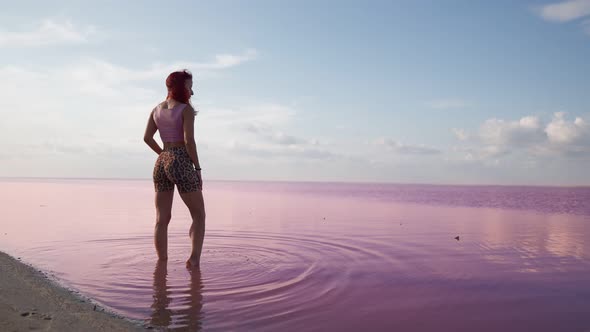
262,120
47,32
483,154
91,77
103,78
101,106
445,104
230,60
560,131
284,153
284,139
269,134
529,137
401,148
530,122
565,10
258,131
220,61
511,133
460,134
257,117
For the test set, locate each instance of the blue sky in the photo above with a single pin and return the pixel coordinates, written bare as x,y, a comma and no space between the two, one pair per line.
466,92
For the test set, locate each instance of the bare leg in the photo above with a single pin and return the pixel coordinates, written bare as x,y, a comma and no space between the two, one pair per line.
196,206
163,216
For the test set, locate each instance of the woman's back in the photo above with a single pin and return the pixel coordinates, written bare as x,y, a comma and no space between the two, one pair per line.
169,121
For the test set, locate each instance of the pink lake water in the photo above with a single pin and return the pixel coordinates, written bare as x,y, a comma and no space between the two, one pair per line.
316,256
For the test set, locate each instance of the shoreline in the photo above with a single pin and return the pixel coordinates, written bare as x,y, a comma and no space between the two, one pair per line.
30,300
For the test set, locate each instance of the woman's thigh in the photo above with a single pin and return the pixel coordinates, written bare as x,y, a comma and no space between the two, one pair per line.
194,202
164,204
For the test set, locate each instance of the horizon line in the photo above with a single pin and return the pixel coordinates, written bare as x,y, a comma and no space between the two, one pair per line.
307,181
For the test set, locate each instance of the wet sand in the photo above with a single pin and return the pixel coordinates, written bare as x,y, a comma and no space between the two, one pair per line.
30,301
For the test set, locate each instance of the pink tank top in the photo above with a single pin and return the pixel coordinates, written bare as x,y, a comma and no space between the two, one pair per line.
169,122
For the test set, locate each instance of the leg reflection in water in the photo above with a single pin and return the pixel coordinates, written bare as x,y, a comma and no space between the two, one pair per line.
186,315
190,314
161,315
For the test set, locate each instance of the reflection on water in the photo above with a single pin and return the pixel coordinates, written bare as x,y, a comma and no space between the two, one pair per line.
191,315
161,315
188,312
316,257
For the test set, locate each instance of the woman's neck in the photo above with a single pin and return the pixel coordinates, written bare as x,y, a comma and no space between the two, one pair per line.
171,102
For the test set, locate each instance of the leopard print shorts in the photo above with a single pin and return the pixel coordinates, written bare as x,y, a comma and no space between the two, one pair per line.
174,166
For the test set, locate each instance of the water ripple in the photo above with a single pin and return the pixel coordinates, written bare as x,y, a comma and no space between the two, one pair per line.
264,277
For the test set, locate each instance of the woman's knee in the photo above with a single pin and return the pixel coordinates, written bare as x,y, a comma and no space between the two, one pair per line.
163,219
198,215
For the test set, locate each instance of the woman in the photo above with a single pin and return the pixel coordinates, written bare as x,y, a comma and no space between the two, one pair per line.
177,164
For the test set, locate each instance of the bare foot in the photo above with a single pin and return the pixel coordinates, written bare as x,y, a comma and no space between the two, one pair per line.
192,264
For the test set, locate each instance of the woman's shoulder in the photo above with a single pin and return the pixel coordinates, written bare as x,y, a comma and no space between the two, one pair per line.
188,108
162,104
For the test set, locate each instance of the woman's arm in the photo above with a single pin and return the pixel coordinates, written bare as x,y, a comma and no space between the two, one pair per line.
148,137
188,117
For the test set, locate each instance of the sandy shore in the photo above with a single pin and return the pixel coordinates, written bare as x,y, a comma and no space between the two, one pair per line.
30,301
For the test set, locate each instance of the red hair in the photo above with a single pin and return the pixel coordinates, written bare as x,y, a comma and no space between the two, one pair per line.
176,88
